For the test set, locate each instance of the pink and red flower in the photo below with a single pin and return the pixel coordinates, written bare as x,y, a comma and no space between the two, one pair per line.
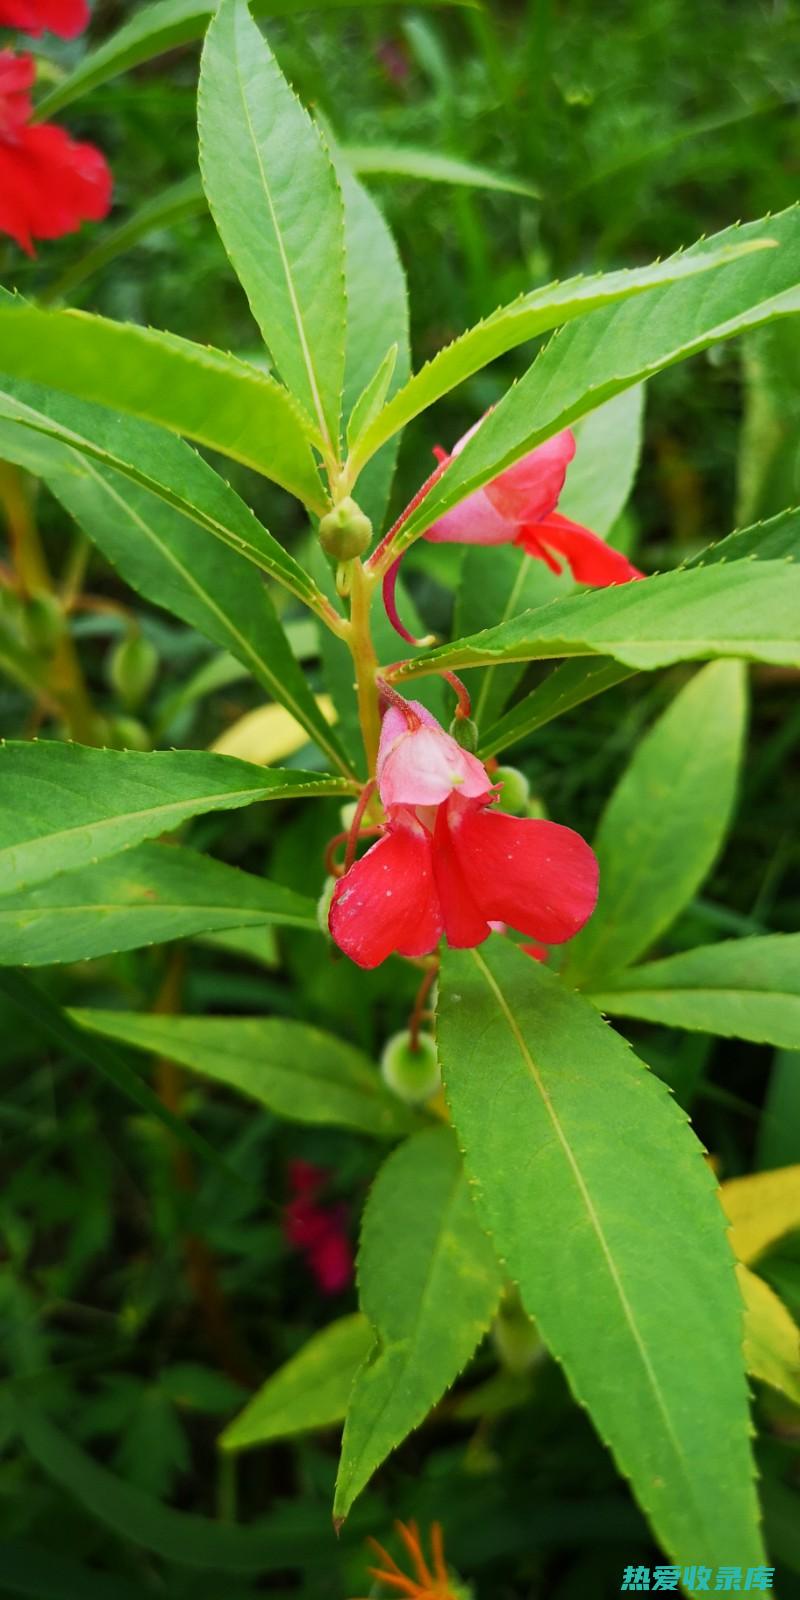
49,183
318,1232
448,862
519,507
67,18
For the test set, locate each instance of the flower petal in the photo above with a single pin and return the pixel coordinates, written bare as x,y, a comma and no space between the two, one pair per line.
589,558
49,184
464,923
539,877
474,521
422,765
387,902
63,17
530,489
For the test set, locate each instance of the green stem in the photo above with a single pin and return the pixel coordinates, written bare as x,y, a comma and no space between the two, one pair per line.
362,649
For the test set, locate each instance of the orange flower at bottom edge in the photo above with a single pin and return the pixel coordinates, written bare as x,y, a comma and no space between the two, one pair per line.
424,1584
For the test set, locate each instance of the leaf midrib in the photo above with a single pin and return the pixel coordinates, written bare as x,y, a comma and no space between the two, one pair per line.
596,1225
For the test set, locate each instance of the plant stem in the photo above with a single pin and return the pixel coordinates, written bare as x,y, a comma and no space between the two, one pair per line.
362,649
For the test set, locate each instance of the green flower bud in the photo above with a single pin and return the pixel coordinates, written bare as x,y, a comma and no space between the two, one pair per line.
516,790
128,733
465,733
44,622
324,904
345,532
132,668
413,1075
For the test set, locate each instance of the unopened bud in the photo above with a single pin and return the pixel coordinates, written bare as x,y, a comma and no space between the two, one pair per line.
516,791
44,622
411,1073
132,669
465,733
345,532
324,904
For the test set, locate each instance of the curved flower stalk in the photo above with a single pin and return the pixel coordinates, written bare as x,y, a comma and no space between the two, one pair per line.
519,507
449,863
49,182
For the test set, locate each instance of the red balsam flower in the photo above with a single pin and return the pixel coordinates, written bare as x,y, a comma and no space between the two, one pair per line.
318,1232
448,862
49,183
67,18
519,507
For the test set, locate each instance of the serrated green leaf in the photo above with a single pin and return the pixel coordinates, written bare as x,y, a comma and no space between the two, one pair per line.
429,1284
771,1336
273,195
310,1391
740,989
404,161
377,318
296,1071
146,895
153,459
761,1208
83,804
621,345
187,388
152,29
600,1203
538,312
746,609
768,465
372,395
601,475
775,540
665,822
157,548
567,686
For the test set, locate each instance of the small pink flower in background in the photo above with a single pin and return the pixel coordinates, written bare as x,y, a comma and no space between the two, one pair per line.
519,507
318,1232
67,18
448,863
49,183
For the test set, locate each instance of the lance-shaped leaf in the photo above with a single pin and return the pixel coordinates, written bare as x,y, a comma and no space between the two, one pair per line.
778,539
740,989
771,1336
623,344
598,1199
296,1071
747,609
665,822
189,389
147,895
762,1208
82,804
406,161
538,312
567,686
377,323
160,551
152,29
152,458
274,198
309,1391
429,1284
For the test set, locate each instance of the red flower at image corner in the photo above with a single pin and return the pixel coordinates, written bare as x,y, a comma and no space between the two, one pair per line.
67,18
318,1232
49,183
448,862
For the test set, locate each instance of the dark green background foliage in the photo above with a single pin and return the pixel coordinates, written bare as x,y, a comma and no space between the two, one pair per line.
146,1288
